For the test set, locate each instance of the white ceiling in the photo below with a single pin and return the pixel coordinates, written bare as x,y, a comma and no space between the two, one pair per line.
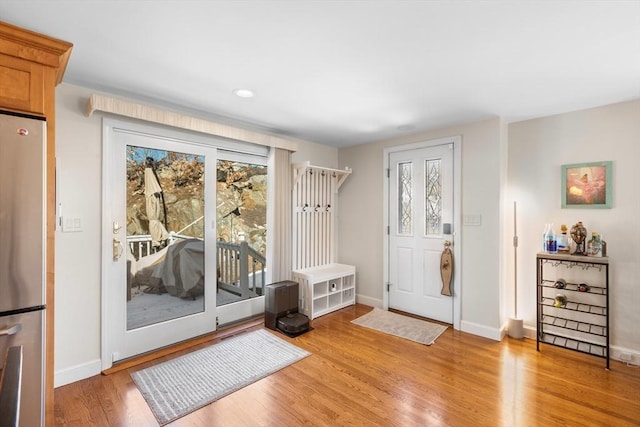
349,72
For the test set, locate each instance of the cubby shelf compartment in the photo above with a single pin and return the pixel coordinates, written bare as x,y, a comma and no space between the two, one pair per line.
326,288
582,324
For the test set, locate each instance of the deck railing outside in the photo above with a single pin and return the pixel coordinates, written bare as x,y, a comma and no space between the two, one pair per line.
140,244
241,266
241,269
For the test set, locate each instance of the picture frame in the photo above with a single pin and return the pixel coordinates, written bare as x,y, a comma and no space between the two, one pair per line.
587,185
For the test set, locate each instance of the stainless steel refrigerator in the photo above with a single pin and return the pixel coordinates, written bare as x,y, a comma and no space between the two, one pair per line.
22,268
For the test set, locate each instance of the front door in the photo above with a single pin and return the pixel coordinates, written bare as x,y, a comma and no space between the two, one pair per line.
159,242
420,221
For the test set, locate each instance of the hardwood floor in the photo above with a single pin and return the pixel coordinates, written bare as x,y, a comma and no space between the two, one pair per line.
360,377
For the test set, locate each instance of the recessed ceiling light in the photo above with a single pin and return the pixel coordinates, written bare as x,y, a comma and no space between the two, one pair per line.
244,93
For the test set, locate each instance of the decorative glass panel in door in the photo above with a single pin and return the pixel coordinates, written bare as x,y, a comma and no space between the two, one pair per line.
405,198
433,197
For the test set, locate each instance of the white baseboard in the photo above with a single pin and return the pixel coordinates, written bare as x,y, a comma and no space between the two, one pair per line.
77,373
495,334
530,332
616,351
527,331
372,302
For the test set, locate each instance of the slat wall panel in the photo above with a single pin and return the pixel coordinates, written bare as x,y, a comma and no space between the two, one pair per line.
314,195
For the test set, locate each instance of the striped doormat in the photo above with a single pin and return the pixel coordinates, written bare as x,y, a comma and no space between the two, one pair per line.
177,387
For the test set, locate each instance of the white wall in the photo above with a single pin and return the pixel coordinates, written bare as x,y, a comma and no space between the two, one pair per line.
361,230
77,262
317,154
537,149
77,265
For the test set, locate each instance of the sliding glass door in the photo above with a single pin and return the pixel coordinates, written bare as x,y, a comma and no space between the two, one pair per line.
184,238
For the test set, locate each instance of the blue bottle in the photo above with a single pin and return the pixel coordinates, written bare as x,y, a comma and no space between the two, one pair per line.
551,242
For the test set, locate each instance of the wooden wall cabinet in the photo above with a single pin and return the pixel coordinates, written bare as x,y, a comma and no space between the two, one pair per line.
21,85
31,66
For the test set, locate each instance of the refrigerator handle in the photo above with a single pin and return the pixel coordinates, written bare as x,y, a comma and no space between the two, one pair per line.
11,330
11,387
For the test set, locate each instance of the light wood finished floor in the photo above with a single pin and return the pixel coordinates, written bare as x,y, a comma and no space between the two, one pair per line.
360,377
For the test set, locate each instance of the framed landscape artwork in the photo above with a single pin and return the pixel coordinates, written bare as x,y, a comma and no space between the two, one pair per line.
587,185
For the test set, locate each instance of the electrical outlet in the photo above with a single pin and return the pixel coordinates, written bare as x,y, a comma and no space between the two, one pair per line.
625,357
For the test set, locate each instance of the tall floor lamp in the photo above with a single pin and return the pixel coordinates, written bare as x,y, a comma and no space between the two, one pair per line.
515,328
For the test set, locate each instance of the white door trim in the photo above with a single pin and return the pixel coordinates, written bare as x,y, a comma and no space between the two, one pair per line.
457,223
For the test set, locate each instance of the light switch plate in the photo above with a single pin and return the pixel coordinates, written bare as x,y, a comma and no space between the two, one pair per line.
71,225
472,220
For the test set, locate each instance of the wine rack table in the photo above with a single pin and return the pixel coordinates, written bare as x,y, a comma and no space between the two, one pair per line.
573,303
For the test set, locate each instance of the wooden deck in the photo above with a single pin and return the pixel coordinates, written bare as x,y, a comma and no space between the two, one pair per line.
361,377
148,309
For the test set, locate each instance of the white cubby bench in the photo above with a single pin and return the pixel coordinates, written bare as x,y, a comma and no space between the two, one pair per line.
325,288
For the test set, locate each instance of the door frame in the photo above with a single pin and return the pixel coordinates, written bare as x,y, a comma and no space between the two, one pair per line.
161,132
457,215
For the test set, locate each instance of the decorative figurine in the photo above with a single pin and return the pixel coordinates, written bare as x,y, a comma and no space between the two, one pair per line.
579,235
446,268
594,247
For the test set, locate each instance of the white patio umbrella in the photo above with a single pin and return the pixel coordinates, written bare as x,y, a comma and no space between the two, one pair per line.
155,212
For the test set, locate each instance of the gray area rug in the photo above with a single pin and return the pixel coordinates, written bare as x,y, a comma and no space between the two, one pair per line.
401,326
177,387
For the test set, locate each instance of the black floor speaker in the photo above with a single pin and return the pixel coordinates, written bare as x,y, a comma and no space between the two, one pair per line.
281,309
